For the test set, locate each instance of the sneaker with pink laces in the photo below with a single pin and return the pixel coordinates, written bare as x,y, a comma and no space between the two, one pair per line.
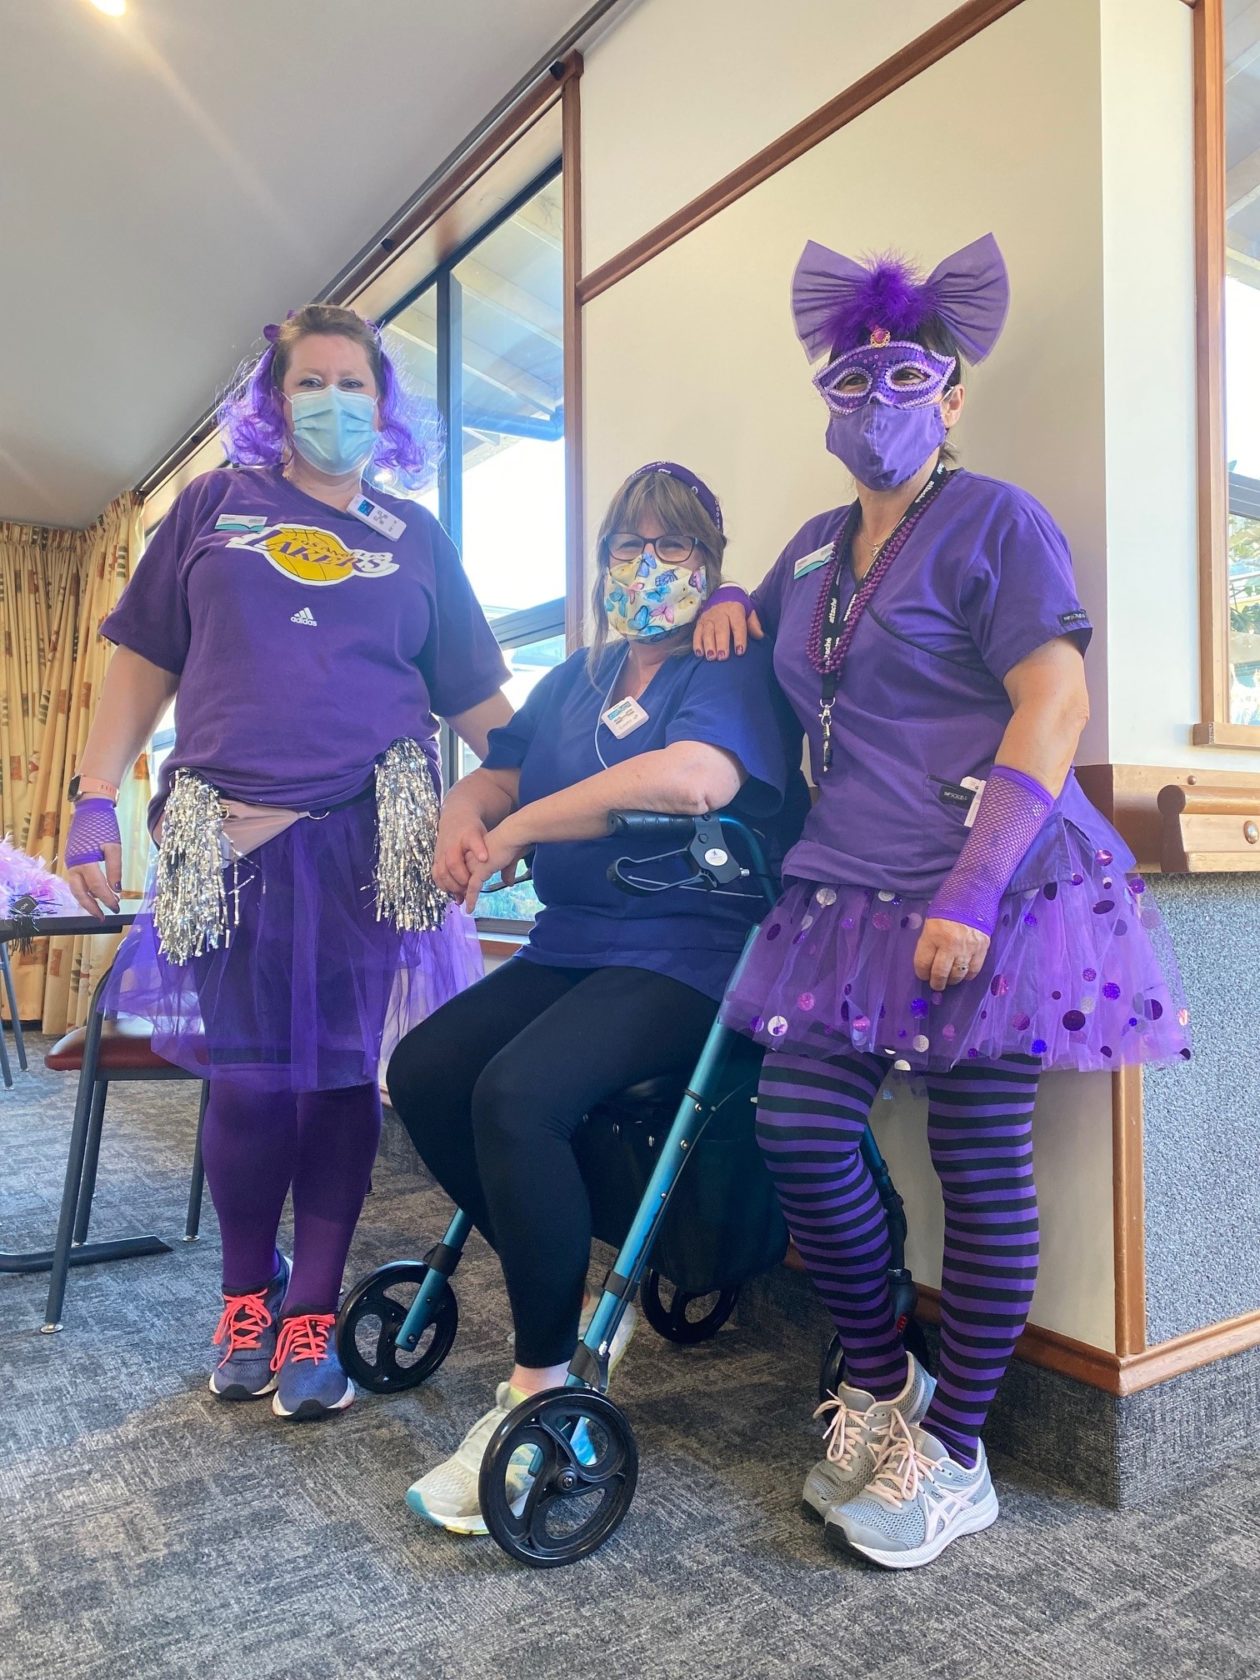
246,1332
310,1380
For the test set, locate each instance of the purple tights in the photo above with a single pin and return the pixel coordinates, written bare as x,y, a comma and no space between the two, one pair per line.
256,1147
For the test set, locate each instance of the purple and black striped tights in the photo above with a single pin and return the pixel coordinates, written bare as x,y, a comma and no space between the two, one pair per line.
810,1118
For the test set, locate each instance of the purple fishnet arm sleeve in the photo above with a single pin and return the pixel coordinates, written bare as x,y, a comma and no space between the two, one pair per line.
93,827
1013,811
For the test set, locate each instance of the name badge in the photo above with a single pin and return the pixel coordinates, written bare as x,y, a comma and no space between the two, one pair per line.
977,788
240,522
379,518
810,562
624,718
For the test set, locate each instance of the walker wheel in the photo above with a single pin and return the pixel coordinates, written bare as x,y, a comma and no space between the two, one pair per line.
832,1373
371,1316
686,1319
558,1476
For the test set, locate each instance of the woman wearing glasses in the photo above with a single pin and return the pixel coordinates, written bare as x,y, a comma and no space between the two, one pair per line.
956,907
609,989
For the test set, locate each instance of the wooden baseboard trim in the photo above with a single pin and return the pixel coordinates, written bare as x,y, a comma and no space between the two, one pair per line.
1100,1368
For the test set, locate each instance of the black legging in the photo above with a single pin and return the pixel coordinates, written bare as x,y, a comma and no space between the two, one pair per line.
493,1087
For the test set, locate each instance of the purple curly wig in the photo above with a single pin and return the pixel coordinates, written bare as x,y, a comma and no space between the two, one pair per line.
252,415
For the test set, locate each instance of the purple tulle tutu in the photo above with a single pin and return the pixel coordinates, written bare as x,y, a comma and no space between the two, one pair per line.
1080,973
311,990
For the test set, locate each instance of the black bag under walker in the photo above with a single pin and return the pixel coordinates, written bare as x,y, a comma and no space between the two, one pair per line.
723,1223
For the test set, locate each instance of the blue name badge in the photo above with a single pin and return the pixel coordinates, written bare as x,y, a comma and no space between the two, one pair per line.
811,562
240,522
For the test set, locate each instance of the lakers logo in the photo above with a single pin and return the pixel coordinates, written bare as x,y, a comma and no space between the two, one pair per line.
312,555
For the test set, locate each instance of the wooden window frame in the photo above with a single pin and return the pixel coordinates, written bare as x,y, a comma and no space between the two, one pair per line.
1216,728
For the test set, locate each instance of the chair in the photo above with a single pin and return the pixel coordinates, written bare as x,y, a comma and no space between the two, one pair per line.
103,1053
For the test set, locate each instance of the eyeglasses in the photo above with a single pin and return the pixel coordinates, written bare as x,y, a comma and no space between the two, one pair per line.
671,549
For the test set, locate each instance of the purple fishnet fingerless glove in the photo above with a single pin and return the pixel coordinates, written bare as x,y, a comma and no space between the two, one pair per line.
93,827
730,592
1013,812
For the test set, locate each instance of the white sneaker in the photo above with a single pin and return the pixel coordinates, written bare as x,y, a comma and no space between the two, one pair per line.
448,1496
918,1501
856,1437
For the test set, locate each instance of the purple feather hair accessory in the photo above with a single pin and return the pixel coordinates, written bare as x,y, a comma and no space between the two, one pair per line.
26,877
837,303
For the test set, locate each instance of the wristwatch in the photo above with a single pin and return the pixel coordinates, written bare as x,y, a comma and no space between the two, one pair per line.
89,787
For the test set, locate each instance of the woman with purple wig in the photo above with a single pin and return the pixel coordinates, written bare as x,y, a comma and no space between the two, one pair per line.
309,631
956,908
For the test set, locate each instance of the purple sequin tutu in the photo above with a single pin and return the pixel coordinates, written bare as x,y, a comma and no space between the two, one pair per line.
1079,973
311,990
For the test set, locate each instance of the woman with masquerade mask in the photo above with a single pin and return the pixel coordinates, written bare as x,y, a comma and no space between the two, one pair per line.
309,633
609,989
956,908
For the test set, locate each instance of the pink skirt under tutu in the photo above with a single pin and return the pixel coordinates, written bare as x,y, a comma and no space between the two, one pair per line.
310,991
1080,973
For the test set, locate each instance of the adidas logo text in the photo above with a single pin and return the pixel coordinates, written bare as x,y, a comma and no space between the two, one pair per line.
306,616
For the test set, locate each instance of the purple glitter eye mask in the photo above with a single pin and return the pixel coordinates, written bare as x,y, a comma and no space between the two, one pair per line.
899,374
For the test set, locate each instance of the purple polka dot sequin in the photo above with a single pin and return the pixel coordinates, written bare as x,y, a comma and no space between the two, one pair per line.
1022,1023
1137,886
1120,926
949,1030
1104,906
1030,920
847,990
774,930
998,985
1104,857
1077,880
861,1025
778,1026
756,1024
1074,1021
1106,1050
919,1006
1039,1046
805,1001
1111,990
1056,996
1089,974
1153,1009
1051,889
882,920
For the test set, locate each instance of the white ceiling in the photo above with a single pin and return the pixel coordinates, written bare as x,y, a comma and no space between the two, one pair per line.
171,180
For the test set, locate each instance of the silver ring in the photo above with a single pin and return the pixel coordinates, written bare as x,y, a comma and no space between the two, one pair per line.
963,968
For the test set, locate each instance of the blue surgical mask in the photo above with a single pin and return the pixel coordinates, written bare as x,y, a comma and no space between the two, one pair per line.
334,430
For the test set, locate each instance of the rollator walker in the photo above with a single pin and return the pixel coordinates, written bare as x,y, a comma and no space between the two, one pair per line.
559,1473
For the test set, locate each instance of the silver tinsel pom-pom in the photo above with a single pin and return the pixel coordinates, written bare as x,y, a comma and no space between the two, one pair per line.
190,912
406,840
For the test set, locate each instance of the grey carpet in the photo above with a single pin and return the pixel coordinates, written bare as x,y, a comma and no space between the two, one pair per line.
152,1534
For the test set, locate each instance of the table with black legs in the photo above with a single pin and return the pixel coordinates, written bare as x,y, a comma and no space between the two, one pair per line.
85,1253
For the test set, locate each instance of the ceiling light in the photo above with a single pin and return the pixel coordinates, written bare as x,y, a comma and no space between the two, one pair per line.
111,8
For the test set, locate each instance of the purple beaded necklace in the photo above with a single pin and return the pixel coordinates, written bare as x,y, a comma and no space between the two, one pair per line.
831,633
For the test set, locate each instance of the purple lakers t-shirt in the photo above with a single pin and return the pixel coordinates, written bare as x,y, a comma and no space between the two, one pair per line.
984,580
305,641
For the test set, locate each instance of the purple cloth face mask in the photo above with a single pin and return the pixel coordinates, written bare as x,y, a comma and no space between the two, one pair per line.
901,374
883,447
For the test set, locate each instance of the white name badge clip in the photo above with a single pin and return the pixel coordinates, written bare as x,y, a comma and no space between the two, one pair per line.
624,718
977,788
379,518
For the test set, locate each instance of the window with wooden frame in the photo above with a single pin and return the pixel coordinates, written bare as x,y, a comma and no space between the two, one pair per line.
1227,122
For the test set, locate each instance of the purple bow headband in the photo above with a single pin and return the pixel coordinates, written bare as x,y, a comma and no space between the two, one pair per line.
838,304
708,501
271,332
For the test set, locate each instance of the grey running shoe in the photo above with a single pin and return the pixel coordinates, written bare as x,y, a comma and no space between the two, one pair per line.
856,1436
917,1502
247,1334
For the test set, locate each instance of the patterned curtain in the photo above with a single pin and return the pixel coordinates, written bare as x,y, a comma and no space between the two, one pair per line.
55,589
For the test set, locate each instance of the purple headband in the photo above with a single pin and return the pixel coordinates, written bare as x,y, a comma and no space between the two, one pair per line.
838,304
708,501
